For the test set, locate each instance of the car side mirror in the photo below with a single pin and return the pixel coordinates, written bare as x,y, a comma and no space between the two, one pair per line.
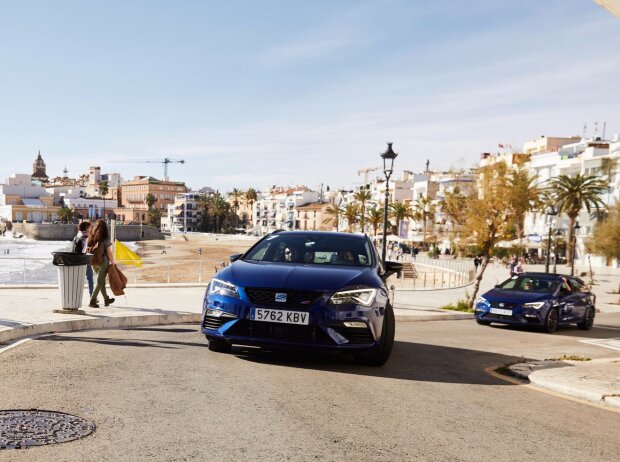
392,267
235,257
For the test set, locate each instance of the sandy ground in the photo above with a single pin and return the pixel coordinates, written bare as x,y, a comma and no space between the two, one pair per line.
179,260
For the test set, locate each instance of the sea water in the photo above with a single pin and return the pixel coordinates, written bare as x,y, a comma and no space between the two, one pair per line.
24,260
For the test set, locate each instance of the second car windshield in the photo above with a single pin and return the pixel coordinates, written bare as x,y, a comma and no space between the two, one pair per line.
529,284
312,250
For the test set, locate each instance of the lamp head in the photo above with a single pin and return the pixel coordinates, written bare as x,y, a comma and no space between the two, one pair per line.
388,160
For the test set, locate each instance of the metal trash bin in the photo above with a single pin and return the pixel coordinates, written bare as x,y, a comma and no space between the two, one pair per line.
71,276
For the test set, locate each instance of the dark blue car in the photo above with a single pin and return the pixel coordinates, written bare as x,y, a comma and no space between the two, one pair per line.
538,299
317,290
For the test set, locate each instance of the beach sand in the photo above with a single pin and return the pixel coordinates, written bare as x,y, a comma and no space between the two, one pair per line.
179,261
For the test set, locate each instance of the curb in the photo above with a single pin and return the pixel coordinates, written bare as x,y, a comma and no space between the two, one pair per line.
433,317
89,323
532,373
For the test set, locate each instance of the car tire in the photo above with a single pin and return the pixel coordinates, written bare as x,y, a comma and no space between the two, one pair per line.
379,356
588,319
218,345
551,321
483,323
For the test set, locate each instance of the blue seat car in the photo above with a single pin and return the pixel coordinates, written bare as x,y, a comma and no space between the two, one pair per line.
538,299
318,290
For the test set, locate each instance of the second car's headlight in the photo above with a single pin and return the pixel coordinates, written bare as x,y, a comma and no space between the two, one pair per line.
363,297
482,300
535,305
217,286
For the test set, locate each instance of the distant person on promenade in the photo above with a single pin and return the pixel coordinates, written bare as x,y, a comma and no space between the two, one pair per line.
79,245
477,262
103,256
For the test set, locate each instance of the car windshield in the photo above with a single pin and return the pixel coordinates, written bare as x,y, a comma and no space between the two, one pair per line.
312,250
529,284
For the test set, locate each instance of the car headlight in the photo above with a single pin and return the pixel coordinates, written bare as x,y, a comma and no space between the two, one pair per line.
363,297
535,305
482,300
219,287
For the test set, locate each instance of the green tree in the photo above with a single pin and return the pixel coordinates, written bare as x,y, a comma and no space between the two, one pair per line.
399,211
220,209
362,196
351,212
104,189
375,218
234,197
424,210
66,214
488,216
572,194
525,196
334,214
251,196
204,204
150,200
155,216
606,236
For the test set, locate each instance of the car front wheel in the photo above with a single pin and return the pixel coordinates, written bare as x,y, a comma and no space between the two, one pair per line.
551,322
379,356
588,319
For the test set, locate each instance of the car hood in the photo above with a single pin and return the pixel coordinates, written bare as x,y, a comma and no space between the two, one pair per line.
515,296
297,276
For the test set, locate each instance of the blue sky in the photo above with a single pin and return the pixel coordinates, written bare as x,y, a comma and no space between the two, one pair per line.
252,93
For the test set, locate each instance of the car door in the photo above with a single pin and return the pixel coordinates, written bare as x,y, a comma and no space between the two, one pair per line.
567,299
582,298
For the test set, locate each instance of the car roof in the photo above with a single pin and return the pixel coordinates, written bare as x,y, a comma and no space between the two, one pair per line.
320,233
546,275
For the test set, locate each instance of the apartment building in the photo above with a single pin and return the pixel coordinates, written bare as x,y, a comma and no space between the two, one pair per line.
21,200
276,209
134,207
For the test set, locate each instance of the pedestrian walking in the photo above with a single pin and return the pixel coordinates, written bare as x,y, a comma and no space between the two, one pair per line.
518,269
476,262
79,245
103,256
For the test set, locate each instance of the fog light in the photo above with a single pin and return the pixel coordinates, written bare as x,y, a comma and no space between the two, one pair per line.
219,314
530,316
354,324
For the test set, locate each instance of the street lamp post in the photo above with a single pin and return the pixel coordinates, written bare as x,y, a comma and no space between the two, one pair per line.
558,233
388,168
550,212
572,263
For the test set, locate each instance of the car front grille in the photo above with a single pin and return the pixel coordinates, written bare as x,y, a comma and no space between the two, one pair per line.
259,296
502,305
278,331
213,323
356,335
499,317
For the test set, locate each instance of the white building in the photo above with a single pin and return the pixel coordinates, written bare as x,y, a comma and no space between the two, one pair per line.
21,200
276,209
184,215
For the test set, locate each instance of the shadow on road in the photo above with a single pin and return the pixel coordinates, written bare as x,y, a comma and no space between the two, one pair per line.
409,361
597,332
140,343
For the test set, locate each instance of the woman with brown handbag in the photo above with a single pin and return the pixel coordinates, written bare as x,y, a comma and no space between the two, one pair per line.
103,256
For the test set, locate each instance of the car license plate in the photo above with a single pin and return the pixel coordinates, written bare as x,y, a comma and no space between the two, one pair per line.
500,311
281,316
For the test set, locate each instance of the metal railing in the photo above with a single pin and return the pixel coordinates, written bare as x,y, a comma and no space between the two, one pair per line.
196,270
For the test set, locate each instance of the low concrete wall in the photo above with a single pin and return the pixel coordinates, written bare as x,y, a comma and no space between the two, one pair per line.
62,232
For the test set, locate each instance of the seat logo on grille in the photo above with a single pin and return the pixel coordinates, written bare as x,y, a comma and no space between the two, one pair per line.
280,297
501,304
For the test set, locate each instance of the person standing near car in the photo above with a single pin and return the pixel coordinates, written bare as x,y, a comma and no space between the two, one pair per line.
103,256
79,245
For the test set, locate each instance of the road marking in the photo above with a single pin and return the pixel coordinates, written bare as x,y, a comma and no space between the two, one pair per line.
13,345
492,372
611,343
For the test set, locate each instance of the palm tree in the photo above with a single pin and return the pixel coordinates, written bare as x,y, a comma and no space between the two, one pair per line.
525,196
150,200
572,195
103,190
375,218
334,214
351,213
424,211
65,214
251,196
155,216
362,196
234,197
220,209
204,203
399,211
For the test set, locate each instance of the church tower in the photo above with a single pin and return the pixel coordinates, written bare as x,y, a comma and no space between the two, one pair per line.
38,170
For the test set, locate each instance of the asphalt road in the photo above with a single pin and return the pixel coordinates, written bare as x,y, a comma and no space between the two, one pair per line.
159,394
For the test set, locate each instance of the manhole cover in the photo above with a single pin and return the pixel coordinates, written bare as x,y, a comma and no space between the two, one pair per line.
22,429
